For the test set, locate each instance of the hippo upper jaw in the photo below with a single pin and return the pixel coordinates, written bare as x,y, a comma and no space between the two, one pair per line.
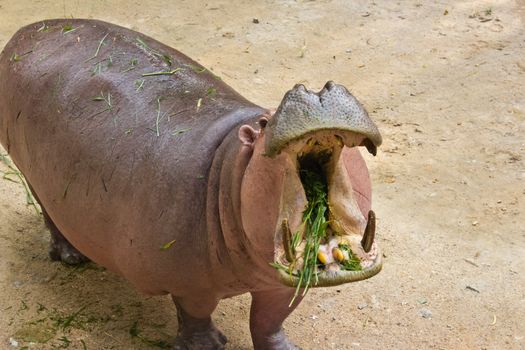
333,108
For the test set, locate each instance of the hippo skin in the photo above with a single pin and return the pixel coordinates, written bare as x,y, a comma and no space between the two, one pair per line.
148,164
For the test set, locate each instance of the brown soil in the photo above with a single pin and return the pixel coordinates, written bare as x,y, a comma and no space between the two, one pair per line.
445,82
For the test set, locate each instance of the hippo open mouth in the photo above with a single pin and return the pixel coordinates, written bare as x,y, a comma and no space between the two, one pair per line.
325,235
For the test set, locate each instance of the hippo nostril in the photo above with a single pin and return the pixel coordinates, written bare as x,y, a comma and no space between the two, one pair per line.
329,85
299,87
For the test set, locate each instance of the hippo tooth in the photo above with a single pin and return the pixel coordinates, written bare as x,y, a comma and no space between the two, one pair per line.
287,241
370,147
370,232
338,254
321,256
344,241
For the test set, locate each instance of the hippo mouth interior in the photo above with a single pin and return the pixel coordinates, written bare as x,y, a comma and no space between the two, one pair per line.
323,238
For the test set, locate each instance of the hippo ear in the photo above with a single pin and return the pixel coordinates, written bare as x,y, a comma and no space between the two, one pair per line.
248,135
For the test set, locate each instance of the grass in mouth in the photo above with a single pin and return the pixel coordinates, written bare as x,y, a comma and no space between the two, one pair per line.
352,263
315,221
315,217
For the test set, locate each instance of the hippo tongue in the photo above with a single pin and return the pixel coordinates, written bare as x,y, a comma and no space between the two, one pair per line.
302,112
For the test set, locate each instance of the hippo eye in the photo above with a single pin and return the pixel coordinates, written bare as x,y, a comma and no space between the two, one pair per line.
262,122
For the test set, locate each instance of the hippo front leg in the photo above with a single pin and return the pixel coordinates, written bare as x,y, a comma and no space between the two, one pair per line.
196,329
268,311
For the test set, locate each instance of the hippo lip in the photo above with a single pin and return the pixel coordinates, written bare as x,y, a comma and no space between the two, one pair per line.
328,278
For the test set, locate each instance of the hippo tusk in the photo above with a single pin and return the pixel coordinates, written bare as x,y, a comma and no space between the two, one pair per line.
370,147
287,241
370,232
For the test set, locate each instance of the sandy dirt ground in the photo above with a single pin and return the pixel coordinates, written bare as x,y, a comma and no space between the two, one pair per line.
444,80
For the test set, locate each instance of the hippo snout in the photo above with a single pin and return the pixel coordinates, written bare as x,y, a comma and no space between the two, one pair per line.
303,112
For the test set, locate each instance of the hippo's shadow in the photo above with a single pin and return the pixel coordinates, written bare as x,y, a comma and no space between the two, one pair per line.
95,305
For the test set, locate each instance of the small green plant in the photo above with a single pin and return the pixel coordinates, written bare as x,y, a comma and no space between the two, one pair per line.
98,48
315,218
169,72
136,333
352,263
164,57
68,28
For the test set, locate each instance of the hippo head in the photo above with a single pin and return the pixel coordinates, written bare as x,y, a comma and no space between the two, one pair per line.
306,152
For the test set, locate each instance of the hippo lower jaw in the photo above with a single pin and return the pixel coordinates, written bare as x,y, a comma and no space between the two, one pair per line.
328,278
346,222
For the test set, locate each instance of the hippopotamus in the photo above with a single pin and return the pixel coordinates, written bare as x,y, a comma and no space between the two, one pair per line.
147,163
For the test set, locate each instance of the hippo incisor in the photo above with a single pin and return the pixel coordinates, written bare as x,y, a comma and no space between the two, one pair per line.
148,164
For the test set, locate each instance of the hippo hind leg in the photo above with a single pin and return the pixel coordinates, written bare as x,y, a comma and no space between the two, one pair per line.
59,248
196,329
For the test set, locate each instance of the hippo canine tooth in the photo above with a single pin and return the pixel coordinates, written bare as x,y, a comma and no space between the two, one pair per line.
287,241
370,232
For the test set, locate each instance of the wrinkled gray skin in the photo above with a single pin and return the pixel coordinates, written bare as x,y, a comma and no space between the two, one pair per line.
124,162
303,111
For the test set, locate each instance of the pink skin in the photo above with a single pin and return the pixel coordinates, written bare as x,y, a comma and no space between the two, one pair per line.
251,185
118,198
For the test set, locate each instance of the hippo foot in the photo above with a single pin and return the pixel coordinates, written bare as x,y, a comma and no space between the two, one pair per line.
277,341
60,249
211,339
196,333
65,252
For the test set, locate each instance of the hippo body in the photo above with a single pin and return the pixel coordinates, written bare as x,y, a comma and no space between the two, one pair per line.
144,162
84,163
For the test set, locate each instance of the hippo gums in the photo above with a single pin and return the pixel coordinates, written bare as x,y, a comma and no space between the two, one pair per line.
148,164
